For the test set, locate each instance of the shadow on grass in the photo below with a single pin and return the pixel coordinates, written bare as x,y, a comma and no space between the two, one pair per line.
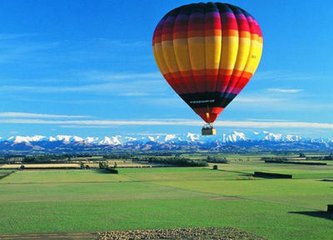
100,171
6,174
319,214
241,173
326,180
107,171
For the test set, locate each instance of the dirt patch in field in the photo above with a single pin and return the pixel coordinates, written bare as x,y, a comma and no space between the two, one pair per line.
49,236
171,234
180,233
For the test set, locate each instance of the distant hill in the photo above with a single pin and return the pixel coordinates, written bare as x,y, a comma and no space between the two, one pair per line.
235,141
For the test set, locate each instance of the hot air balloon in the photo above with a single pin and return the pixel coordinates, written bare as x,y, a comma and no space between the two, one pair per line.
207,52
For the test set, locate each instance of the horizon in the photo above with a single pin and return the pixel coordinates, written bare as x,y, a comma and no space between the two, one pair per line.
67,71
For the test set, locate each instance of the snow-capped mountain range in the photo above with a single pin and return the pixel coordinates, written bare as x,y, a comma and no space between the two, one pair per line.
233,141
234,136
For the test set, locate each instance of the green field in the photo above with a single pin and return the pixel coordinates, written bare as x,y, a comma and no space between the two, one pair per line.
89,201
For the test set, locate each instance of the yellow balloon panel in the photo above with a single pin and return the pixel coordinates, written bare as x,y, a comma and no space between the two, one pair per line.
182,54
213,47
196,47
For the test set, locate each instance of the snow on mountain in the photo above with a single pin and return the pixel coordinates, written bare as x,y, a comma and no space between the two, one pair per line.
170,137
90,140
130,139
18,139
273,137
292,138
231,137
26,139
77,139
63,138
234,137
269,136
163,141
150,138
37,138
115,140
192,137
280,137
52,139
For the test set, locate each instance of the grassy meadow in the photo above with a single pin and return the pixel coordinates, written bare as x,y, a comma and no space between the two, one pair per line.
42,201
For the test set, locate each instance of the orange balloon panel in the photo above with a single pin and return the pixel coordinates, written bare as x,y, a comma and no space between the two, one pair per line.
207,52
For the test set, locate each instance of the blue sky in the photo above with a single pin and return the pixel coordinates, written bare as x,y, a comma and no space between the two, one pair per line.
86,68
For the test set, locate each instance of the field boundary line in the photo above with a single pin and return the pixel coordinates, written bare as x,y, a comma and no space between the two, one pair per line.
243,198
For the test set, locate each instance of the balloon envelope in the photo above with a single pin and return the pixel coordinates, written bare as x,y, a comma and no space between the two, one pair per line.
207,52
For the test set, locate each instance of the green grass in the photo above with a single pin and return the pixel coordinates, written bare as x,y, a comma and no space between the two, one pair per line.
89,201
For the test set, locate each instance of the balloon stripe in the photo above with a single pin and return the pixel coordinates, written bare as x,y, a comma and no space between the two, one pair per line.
255,52
167,54
186,86
181,49
184,35
213,45
243,52
196,47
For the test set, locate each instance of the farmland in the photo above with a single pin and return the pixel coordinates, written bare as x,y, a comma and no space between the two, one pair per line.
51,201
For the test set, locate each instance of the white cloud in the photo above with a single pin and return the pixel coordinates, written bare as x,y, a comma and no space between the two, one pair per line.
279,75
121,84
11,36
273,124
284,90
37,115
13,52
282,102
168,122
258,99
112,76
266,120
